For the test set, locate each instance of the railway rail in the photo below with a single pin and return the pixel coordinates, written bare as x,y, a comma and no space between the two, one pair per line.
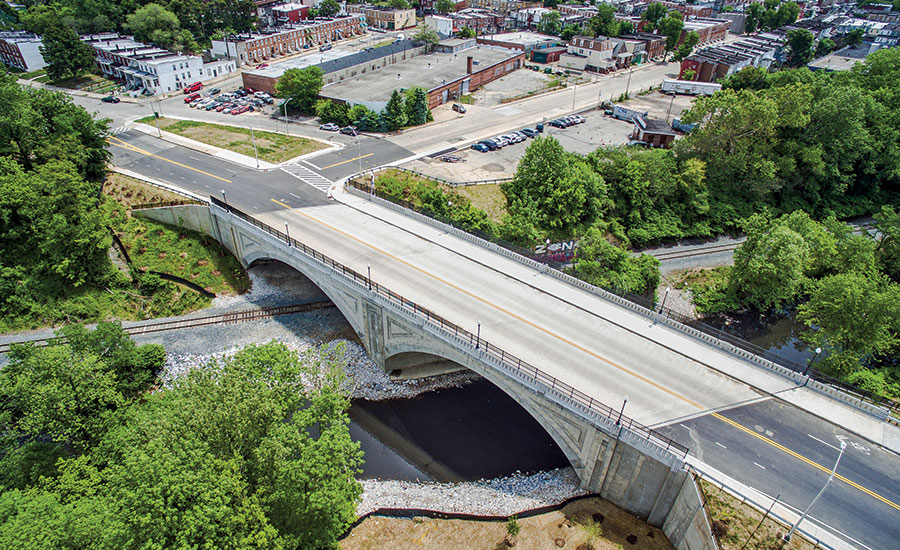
223,319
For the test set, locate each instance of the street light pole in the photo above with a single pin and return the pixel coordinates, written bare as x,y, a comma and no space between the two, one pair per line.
478,337
287,129
628,84
818,351
255,152
622,410
574,89
359,152
369,271
288,233
670,107
223,198
666,295
790,533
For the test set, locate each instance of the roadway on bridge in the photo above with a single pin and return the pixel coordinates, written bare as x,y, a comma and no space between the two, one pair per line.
468,285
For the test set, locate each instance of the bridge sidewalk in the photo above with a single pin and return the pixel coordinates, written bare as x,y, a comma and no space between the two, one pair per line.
758,378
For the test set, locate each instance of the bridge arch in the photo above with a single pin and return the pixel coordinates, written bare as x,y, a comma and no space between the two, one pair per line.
348,308
570,438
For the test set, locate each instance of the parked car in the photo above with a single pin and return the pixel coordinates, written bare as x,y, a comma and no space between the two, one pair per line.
213,91
262,65
261,95
110,99
481,147
579,119
461,109
349,130
539,127
240,92
325,47
501,141
212,106
558,124
489,144
195,87
192,97
530,132
330,127
267,100
221,108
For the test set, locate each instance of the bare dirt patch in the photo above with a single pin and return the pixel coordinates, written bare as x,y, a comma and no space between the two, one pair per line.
129,191
566,528
488,197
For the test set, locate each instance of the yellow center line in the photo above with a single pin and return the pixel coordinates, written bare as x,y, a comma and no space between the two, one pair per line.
501,309
798,456
345,161
135,149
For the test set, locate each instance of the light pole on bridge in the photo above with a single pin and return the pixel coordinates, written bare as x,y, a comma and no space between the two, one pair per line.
790,533
622,410
478,336
369,271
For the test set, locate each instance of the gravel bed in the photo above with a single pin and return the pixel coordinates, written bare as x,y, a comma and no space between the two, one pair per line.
501,496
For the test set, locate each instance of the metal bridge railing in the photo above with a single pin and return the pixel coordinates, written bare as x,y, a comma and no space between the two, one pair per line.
506,359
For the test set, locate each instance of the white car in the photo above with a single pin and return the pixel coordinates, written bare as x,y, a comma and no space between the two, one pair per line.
262,95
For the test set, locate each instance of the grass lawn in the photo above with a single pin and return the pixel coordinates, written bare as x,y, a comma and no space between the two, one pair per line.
274,148
734,523
488,197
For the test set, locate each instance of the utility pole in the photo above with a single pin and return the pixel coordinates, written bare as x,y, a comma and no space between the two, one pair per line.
628,84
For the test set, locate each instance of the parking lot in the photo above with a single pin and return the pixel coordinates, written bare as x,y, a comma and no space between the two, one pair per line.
598,130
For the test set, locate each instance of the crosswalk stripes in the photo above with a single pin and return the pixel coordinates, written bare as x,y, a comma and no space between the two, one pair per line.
118,130
309,177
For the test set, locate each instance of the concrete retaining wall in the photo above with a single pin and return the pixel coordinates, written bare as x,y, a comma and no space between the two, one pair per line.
687,525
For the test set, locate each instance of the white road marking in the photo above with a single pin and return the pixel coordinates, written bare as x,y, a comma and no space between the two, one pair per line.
720,445
823,442
230,170
760,465
195,158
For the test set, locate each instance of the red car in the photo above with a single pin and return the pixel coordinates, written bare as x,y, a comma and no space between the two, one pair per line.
262,65
195,87
191,97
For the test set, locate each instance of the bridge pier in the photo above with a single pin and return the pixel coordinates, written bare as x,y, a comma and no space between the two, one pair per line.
624,466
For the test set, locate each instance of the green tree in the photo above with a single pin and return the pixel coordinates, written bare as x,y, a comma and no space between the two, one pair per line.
887,252
154,23
330,111
563,191
800,43
466,32
415,106
66,55
824,47
754,15
393,116
62,393
301,86
550,23
330,8
399,4
426,35
445,6
855,37
854,312
671,27
605,22
603,264
653,14
690,40
769,266
570,31
748,78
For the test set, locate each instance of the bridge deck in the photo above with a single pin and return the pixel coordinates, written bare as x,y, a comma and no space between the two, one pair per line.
600,348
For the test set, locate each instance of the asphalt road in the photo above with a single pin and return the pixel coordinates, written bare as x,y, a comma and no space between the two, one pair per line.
867,516
206,175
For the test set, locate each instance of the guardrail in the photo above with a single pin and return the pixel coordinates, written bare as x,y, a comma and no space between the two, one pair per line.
499,355
163,204
866,401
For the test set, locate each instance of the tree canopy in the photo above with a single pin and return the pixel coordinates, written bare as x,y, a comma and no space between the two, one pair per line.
252,451
301,87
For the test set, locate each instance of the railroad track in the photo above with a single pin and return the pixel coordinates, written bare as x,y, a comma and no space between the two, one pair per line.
678,254
241,316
